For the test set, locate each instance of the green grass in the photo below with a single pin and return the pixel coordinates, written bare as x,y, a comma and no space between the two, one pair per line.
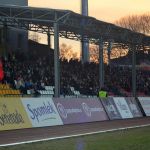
132,139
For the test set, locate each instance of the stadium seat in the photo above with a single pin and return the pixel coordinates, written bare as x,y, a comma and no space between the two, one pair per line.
5,90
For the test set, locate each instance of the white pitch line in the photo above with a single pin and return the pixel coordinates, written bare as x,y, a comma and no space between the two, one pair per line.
74,135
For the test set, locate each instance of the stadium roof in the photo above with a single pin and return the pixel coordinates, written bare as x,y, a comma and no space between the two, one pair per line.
71,25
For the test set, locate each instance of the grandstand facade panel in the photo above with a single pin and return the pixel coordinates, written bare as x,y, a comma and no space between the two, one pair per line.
14,2
16,39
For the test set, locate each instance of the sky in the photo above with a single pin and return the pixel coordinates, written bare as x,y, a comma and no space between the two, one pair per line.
105,10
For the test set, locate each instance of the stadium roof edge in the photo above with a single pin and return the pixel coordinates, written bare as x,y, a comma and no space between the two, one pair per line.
72,25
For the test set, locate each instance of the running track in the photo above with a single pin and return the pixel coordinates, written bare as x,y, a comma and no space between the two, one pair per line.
13,136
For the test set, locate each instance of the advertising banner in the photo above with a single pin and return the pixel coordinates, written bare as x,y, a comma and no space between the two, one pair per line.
122,107
133,107
145,102
80,110
12,114
41,112
111,108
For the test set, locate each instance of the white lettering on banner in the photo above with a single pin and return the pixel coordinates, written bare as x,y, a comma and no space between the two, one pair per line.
73,110
41,112
145,102
86,109
64,112
97,109
89,110
122,107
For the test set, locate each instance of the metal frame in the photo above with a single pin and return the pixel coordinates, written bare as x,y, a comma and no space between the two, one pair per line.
70,25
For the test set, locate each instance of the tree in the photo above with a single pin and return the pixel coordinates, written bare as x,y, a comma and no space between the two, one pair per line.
66,52
116,52
137,23
94,54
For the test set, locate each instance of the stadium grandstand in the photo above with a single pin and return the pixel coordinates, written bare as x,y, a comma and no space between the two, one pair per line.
39,89
85,82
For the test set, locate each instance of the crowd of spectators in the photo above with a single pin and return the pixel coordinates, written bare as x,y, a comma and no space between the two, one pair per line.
31,72
26,72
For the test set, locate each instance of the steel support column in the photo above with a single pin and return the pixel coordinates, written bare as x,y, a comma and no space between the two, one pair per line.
56,60
133,48
109,52
101,65
85,52
49,40
5,28
85,45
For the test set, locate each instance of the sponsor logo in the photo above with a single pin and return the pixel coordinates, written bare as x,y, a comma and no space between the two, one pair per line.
86,109
82,108
62,110
7,117
89,110
65,112
41,111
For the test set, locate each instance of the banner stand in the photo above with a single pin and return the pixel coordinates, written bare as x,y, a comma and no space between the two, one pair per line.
140,106
100,100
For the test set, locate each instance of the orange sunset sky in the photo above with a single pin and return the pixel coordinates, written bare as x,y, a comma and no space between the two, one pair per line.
106,10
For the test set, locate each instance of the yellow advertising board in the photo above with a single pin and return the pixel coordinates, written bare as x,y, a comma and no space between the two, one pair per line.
12,114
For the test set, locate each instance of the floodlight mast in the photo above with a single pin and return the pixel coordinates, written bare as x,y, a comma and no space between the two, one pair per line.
85,45
84,8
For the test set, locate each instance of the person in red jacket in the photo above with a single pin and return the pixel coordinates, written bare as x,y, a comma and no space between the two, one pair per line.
1,70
